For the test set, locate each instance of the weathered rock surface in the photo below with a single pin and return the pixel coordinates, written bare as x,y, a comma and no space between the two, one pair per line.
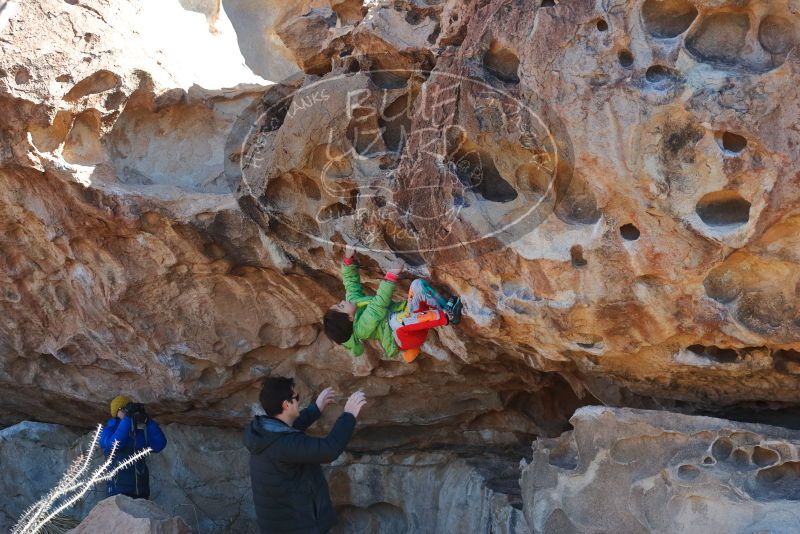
631,471
427,493
132,516
130,266
33,457
201,476
612,189
623,132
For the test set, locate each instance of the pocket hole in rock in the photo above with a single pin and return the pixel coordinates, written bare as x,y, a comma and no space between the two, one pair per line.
668,18
435,33
576,202
576,255
720,38
708,460
564,455
625,58
502,62
363,132
740,458
395,123
661,77
723,208
548,3
688,472
786,360
732,142
22,76
475,168
714,353
389,78
629,232
763,457
413,17
353,66
602,25
532,180
777,35
779,482
334,211
285,192
721,449
787,354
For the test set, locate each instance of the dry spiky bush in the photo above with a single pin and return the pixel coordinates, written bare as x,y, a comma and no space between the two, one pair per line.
72,487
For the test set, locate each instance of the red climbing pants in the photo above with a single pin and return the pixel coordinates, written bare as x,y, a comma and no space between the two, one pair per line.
421,313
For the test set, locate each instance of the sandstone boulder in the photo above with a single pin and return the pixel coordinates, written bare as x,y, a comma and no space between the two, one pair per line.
640,471
132,516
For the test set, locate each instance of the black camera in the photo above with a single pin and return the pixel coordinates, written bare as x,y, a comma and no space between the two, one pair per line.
135,410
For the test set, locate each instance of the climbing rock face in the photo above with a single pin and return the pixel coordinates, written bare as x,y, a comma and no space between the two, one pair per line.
611,191
624,470
128,265
610,188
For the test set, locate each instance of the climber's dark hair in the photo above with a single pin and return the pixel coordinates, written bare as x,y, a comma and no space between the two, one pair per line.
275,390
337,325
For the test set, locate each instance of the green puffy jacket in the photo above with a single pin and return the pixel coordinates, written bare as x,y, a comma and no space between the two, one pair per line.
372,313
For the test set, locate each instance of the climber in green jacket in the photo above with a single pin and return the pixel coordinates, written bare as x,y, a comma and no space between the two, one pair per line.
398,326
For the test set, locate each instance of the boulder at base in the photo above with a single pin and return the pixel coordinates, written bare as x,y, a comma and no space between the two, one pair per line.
132,516
654,472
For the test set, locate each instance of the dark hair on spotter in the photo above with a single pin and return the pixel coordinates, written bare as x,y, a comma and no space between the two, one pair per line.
275,390
337,325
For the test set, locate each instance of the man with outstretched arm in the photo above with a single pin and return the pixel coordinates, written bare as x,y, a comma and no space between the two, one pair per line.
290,492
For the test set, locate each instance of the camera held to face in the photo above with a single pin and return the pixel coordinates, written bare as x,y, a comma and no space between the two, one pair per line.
135,410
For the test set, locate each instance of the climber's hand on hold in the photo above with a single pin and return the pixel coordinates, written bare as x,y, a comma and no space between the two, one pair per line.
397,267
349,251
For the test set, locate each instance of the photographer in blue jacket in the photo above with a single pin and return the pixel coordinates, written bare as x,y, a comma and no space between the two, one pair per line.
134,430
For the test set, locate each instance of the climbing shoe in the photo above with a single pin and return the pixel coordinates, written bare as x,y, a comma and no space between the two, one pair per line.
409,355
453,310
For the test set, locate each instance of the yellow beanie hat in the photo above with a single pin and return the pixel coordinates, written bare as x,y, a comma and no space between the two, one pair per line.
118,403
